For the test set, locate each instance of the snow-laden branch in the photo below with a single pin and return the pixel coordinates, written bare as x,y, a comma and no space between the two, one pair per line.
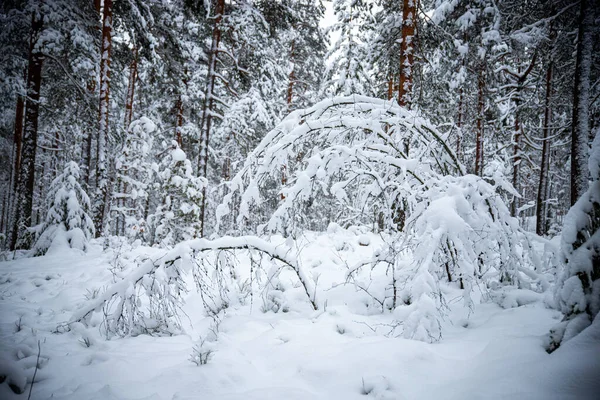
160,278
356,139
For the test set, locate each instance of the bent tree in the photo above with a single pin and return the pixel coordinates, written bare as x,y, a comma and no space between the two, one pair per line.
356,153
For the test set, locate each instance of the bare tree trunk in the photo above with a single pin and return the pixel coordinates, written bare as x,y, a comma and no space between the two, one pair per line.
86,150
291,77
409,21
540,207
516,160
516,142
122,187
581,94
26,177
16,160
101,167
480,121
390,91
18,135
459,123
208,105
179,122
133,71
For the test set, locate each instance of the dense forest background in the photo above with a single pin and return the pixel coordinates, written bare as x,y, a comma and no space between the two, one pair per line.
160,120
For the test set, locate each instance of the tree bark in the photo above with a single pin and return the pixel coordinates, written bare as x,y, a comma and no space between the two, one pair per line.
133,71
459,123
480,122
86,149
581,93
291,78
26,177
209,104
16,159
540,207
520,80
179,122
20,110
516,159
409,22
101,167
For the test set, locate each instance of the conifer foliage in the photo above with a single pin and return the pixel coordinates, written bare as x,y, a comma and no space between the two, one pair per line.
68,222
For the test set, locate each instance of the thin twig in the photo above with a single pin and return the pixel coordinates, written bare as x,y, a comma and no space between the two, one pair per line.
37,363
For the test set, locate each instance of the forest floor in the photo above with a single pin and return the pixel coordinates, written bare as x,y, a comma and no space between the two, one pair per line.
346,350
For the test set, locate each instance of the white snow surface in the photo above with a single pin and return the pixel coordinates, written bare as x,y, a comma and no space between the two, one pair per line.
341,351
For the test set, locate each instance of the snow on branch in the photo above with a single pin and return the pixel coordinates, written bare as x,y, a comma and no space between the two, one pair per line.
363,160
358,140
160,279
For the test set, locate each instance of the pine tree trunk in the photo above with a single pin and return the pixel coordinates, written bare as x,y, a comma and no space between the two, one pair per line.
18,135
409,22
459,124
480,122
16,160
179,122
124,202
26,177
390,89
209,104
516,159
86,149
521,80
291,78
133,67
101,167
540,208
581,94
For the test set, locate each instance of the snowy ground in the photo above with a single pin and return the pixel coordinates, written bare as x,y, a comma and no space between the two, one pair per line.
343,351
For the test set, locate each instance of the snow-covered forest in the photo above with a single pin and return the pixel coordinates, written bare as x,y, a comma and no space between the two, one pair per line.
299,199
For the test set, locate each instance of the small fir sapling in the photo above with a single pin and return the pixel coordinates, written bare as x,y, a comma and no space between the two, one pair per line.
67,223
177,218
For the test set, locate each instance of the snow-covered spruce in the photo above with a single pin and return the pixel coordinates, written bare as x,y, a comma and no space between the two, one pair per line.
578,287
149,299
177,218
67,223
356,153
134,173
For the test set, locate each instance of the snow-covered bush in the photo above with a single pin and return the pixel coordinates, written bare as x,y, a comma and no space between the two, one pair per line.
177,218
67,223
202,352
363,157
578,287
149,299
